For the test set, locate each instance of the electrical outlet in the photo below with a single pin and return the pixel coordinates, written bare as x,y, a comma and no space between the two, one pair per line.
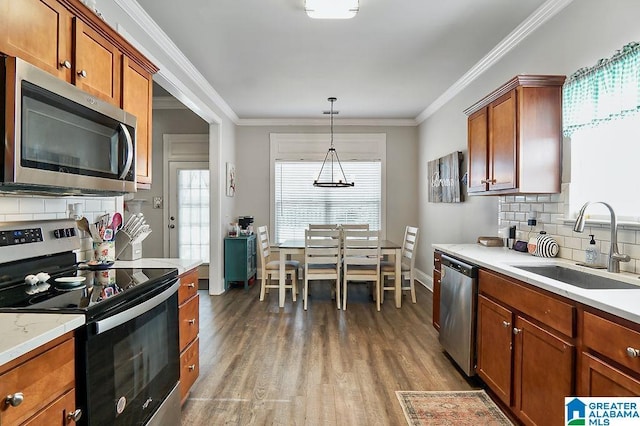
531,222
157,202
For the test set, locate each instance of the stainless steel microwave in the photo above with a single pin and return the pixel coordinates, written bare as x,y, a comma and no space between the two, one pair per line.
59,139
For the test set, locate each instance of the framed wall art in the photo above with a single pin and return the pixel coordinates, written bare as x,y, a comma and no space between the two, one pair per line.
444,179
231,180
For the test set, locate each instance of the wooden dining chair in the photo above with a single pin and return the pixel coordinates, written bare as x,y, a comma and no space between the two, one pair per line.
321,260
354,226
270,269
323,226
360,261
407,265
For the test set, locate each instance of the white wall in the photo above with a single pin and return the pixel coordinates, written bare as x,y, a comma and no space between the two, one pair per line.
252,166
585,31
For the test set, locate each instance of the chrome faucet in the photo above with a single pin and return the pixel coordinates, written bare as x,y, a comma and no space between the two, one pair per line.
614,255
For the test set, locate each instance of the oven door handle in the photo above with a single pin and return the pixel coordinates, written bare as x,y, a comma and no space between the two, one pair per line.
122,317
129,160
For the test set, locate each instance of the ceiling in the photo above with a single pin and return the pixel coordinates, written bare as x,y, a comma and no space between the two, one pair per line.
268,60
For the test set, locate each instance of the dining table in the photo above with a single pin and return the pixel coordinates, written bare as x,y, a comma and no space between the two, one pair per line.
290,247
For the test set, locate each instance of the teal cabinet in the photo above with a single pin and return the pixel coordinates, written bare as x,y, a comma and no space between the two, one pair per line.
239,260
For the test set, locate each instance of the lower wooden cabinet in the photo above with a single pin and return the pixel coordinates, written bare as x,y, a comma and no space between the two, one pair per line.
435,312
189,319
526,363
45,380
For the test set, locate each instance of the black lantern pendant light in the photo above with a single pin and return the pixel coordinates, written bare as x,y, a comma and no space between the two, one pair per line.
338,180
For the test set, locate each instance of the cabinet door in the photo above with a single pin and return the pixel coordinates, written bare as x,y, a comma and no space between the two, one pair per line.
599,378
494,347
98,64
56,413
38,31
436,299
478,151
503,143
136,99
543,374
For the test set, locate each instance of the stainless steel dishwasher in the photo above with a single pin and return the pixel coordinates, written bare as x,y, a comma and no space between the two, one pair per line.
458,291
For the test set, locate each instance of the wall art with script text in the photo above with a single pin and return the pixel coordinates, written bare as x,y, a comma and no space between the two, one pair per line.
444,179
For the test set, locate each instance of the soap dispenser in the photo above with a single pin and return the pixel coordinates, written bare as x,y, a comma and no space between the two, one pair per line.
591,253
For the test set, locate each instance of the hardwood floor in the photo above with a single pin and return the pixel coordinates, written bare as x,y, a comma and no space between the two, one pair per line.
261,365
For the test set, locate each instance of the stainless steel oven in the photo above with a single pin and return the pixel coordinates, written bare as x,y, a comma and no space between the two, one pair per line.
127,354
61,139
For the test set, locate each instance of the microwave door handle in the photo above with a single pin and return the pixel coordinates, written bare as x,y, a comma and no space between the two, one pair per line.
129,160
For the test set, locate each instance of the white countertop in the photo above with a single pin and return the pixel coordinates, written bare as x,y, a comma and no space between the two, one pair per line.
183,265
21,333
624,303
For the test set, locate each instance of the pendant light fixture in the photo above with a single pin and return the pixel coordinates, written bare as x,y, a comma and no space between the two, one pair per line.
331,9
338,180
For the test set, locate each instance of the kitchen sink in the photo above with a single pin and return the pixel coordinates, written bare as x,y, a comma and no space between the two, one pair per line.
578,278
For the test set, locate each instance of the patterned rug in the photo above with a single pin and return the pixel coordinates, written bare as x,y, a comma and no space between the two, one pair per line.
450,408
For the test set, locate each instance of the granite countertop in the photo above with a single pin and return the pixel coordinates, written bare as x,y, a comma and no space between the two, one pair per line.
623,303
22,333
183,265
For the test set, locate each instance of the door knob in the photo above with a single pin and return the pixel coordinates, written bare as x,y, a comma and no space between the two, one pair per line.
172,226
517,330
172,218
65,64
82,73
74,415
506,324
14,399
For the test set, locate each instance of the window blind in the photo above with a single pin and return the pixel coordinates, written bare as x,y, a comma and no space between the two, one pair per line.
298,203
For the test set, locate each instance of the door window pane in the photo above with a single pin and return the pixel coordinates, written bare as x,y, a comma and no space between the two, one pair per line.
193,214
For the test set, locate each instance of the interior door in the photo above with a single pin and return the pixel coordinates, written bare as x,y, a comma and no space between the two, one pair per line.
188,219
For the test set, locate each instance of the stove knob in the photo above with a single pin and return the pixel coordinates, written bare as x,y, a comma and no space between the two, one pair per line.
43,277
31,279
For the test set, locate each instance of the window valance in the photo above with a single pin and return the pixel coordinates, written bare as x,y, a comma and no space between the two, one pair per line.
606,91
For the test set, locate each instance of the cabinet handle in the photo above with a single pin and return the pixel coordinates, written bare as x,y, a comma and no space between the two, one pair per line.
192,321
192,367
506,324
517,330
82,73
484,181
14,399
74,415
191,285
65,64
632,352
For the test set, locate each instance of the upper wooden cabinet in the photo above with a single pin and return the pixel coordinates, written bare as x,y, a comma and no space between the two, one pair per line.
515,138
66,39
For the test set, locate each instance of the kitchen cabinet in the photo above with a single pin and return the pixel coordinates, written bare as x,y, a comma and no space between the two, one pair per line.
436,290
45,380
525,348
239,259
137,85
189,327
515,138
609,364
68,40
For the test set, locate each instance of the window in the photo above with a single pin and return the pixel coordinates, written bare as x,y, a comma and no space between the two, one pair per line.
296,160
298,203
604,168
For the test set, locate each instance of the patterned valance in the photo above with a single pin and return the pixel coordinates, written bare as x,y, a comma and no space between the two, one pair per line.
606,91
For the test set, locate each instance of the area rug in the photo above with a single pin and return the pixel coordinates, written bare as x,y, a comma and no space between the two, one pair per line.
450,408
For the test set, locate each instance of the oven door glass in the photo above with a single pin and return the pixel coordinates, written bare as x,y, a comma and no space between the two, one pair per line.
63,136
132,367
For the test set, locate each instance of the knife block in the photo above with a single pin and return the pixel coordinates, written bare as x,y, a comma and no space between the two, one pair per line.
126,249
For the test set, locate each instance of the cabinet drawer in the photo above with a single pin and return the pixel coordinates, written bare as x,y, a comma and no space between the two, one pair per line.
41,380
602,379
544,308
611,340
189,321
56,413
189,368
188,286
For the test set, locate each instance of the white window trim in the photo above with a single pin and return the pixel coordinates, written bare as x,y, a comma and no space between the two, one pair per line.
314,146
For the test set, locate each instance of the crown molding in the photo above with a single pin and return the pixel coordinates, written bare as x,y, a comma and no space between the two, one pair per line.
400,122
545,12
148,25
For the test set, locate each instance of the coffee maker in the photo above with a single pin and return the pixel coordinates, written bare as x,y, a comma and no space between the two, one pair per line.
246,225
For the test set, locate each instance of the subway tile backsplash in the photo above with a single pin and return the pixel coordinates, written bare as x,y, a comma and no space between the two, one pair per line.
20,208
550,212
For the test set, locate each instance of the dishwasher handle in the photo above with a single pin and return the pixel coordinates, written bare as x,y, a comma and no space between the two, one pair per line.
460,266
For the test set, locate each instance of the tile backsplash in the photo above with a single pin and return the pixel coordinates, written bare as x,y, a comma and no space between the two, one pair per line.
549,212
21,208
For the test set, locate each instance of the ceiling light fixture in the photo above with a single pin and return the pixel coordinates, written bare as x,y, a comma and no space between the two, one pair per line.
335,181
331,9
